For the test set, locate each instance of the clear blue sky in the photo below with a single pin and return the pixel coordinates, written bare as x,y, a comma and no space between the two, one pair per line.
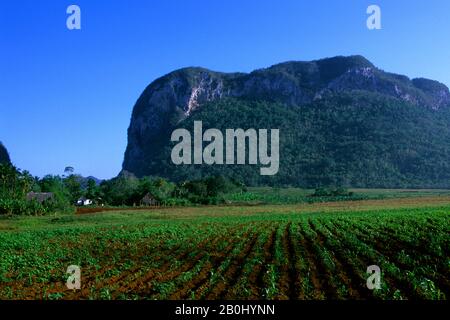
66,96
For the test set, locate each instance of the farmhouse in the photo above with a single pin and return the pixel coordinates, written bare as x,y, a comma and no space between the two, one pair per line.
40,196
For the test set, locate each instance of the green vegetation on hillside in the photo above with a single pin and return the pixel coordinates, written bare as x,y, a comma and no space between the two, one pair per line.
350,140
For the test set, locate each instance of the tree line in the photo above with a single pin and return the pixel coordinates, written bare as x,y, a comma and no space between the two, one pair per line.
123,190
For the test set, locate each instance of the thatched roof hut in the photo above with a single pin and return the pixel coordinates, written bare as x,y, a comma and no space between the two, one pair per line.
149,200
40,196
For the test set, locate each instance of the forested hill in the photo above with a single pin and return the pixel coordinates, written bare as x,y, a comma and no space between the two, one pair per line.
342,121
4,156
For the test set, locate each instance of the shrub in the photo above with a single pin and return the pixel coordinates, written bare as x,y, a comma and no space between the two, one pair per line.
331,192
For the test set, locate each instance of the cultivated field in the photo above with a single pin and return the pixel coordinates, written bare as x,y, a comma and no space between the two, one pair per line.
295,251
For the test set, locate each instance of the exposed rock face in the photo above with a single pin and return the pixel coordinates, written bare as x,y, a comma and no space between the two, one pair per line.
4,156
437,94
173,97
166,102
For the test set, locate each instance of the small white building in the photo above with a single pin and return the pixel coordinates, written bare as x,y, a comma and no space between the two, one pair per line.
84,202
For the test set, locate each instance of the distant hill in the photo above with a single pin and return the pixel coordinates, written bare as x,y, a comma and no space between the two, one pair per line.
342,121
84,181
97,181
4,156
